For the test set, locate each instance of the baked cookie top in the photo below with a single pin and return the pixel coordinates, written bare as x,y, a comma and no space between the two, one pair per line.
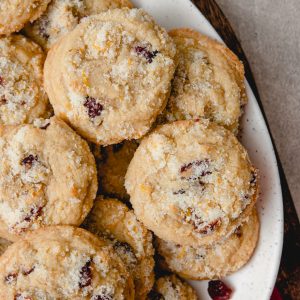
112,219
62,16
191,182
14,14
213,262
22,97
112,164
47,176
110,77
172,287
62,262
208,82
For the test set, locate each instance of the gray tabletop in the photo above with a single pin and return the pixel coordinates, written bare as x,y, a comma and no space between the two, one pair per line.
269,31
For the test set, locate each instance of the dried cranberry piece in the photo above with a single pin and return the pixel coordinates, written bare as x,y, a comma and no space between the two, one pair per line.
10,278
94,108
197,163
117,147
45,126
153,295
34,213
126,253
149,55
218,290
29,160
27,272
21,297
186,167
85,278
179,192
194,219
123,247
1,81
238,232
3,100
102,297
210,227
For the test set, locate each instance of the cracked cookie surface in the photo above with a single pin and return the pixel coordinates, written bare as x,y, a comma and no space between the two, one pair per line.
191,182
134,61
63,262
22,96
47,176
14,14
208,82
111,219
62,16
217,261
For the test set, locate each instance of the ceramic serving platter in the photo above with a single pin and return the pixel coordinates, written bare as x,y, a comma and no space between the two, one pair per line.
256,280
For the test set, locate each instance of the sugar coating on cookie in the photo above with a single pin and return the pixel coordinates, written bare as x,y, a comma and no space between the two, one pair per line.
63,262
4,245
62,16
208,82
110,77
47,176
112,164
22,97
172,287
14,14
112,219
217,261
191,182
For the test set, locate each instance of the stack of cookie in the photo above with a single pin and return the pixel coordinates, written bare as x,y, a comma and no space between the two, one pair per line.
110,123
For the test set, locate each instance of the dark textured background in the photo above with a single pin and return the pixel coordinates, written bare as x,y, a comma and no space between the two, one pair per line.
269,31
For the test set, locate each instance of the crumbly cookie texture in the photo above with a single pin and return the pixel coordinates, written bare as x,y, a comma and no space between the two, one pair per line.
111,76
172,287
22,97
47,176
111,219
63,262
112,164
191,182
4,245
62,16
208,82
15,14
213,262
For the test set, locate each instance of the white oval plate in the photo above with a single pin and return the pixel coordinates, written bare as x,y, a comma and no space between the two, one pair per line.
256,280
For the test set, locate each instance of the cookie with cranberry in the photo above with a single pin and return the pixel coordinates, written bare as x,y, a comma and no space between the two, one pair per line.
47,176
15,14
112,164
217,261
191,182
112,219
63,262
208,82
22,97
4,245
172,287
62,16
110,77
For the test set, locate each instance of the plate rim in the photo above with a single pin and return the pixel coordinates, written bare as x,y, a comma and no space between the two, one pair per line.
269,140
